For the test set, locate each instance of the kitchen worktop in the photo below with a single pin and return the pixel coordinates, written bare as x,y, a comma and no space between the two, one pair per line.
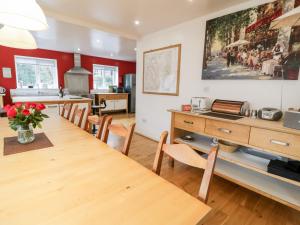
102,93
50,99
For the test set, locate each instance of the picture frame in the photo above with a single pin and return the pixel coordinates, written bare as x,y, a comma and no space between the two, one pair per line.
161,70
257,43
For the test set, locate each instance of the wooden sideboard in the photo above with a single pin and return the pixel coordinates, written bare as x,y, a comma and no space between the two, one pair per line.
114,101
240,167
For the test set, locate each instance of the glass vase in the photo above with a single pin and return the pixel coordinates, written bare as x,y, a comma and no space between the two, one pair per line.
25,134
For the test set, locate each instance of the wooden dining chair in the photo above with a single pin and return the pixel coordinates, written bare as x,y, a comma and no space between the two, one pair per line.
184,154
77,116
67,109
96,121
119,130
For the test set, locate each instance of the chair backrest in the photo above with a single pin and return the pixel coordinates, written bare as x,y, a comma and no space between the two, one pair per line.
101,123
121,131
78,115
67,109
184,154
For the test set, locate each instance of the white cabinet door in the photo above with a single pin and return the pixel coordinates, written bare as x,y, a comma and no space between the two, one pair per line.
110,106
121,104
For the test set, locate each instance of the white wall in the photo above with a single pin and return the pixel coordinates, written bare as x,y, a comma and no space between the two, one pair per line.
151,112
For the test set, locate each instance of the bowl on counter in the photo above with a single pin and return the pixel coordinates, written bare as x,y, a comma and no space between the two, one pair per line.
227,146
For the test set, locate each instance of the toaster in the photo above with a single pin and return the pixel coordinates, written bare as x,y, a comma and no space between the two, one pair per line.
200,104
270,114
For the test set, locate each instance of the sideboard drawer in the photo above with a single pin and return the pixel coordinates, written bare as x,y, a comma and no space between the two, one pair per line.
230,131
189,123
278,141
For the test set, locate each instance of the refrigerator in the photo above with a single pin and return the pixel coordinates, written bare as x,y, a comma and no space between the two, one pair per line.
129,85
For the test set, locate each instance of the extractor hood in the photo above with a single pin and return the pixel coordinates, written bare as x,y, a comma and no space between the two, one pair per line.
77,69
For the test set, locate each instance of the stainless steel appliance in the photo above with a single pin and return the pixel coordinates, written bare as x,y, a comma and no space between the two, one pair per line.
77,78
200,104
129,84
270,114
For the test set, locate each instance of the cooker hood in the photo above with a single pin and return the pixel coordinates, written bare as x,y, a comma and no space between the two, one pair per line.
77,69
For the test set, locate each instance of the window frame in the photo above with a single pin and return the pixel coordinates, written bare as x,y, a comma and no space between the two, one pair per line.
38,78
117,75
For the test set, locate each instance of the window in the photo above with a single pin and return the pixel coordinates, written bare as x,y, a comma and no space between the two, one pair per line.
105,76
36,72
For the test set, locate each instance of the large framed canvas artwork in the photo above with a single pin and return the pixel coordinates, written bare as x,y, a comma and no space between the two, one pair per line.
259,43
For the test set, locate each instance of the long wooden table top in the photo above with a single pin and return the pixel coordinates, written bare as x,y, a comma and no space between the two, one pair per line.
52,99
82,181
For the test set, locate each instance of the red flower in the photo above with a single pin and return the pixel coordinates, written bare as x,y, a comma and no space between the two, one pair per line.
18,105
25,112
11,113
6,108
40,107
27,105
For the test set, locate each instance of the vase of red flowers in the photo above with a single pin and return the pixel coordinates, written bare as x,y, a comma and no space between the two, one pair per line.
23,118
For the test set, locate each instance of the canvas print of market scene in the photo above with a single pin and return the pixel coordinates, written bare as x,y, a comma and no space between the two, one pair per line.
261,43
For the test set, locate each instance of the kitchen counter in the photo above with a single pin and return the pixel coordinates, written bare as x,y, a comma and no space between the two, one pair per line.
55,102
114,101
109,93
52,99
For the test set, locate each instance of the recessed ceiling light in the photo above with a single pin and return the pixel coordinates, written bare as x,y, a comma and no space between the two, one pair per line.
135,49
78,49
137,22
97,40
111,54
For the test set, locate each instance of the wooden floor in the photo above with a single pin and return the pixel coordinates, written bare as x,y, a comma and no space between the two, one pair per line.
232,204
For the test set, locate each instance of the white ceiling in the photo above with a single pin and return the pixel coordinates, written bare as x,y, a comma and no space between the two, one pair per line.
77,24
68,37
118,15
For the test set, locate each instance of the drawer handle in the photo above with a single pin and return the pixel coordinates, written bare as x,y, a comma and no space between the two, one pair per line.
280,143
188,122
225,130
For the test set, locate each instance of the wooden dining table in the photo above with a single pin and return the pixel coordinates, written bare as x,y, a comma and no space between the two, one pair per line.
82,181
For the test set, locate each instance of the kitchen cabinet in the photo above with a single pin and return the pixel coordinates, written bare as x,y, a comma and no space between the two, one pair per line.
114,101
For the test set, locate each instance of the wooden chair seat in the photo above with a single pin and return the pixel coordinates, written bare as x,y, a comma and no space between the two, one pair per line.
94,119
120,131
185,154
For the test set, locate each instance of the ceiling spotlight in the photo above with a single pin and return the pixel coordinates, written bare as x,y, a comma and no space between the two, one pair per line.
97,40
78,49
135,49
137,22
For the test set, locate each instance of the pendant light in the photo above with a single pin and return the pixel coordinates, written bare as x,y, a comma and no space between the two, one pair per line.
23,14
16,38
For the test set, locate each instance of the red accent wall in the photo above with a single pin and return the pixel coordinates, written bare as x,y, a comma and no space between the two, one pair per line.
124,66
65,61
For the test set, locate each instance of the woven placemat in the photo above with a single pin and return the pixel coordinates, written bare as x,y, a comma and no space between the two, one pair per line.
12,146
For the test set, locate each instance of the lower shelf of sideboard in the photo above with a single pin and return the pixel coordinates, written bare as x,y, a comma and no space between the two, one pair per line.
285,193
251,172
